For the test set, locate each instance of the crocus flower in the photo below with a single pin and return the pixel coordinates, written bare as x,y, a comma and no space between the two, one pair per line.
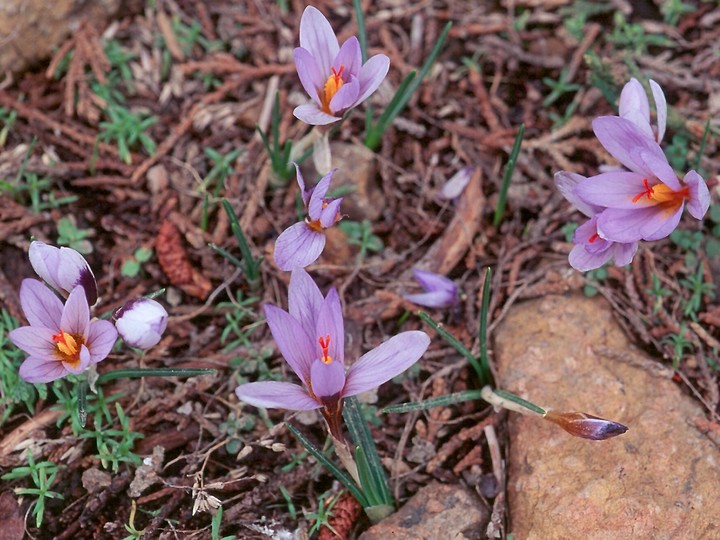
63,269
141,322
333,76
645,203
441,292
586,425
635,107
302,243
454,187
591,250
311,339
60,339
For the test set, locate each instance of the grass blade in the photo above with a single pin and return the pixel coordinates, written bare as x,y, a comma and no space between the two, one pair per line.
441,401
452,341
509,169
485,373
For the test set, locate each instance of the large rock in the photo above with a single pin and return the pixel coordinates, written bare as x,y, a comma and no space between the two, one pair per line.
658,480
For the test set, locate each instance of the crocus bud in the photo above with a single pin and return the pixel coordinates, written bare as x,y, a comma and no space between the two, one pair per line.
141,322
586,425
454,187
440,292
63,269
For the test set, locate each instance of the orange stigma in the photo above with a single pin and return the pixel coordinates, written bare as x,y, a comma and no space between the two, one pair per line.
325,345
662,194
332,85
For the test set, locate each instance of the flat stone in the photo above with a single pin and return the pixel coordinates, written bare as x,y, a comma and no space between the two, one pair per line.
436,512
659,480
357,169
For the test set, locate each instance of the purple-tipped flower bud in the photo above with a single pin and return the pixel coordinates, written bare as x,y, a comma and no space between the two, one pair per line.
141,322
586,425
63,269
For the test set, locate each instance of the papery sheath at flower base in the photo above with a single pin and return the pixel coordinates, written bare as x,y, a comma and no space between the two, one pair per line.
333,76
301,244
440,292
60,339
645,203
635,107
311,339
591,251
141,322
63,269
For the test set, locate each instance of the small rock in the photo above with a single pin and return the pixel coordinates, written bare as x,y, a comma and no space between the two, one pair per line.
95,480
658,480
357,170
436,512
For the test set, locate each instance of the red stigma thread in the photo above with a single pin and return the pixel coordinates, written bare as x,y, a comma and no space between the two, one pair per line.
325,345
337,74
593,238
648,191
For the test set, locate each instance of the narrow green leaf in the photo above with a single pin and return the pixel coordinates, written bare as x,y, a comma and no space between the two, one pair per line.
452,341
507,176
362,35
520,401
484,374
152,372
703,142
234,260
441,401
252,266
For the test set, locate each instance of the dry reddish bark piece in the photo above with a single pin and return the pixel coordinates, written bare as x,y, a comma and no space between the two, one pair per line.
344,514
176,264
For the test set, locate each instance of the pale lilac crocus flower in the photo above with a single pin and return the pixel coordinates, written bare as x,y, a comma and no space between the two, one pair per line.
301,244
311,338
333,76
60,339
440,292
141,322
635,107
591,250
454,187
63,269
645,203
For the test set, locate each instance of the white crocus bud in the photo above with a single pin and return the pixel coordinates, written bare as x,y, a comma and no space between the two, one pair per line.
63,269
141,322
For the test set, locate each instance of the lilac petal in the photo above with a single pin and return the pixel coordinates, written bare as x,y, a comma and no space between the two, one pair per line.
635,107
295,345
566,182
699,199
304,300
328,380
624,140
298,246
586,234
583,261
625,225
317,36
346,97
276,395
311,77
73,271
623,254
315,205
349,59
35,341
311,114
84,358
45,260
102,336
660,107
454,187
385,361
434,282
76,315
614,190
41,370
40,305
331,213
372,75
304,193
330,323
437,299
661,169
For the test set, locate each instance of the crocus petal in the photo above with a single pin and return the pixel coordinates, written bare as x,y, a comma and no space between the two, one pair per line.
349,59
580,259
660,167
699,199
304,300
437,299
318,194
309,73
34,340
330,324
587,235
304,193
41,370
434,282
84,363
660,107
614,190
331,213
40,305
73,271
311,114
277,395
317,36
296,347
454,187
327,379
345,98
45,260
76,315
372,74
298,246
623,254
634,106
625,225
385,361
102,336
624,140
566,182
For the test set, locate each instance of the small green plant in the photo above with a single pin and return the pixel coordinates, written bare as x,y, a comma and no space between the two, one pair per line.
558,88
233,427
130,525
70,235
242,320
222,168
699,289
321,517
127,128
592,279
114,445
679,343
359,233
279,153
8,117
43,476
632,36
190,36
678,151
672,10
659,292
131,267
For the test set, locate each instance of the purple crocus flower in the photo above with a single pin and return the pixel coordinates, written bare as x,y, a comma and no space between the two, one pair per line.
591,250
302,243
60,339
311,338
635,107
141,322
454,187
440,292
63,269
333,76
645,203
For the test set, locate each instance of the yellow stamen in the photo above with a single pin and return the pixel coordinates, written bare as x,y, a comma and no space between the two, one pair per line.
662,194
332,85
67,348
